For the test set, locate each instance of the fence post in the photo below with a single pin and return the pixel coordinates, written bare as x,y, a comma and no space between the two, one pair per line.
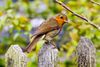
14,57
48,56
86,53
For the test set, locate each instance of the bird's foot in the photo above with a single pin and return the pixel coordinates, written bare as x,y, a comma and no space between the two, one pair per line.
51,42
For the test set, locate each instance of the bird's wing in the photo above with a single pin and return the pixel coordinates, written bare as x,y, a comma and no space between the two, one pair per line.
47,26
32,44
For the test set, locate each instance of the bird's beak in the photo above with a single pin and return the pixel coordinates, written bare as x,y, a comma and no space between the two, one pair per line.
66,21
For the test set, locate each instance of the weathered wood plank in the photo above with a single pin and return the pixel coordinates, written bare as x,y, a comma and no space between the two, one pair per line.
48,56
86,53
14,57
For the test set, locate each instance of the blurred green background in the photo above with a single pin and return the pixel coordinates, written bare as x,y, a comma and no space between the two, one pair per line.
20,18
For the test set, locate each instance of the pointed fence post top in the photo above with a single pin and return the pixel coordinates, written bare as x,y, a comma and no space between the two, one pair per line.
86,53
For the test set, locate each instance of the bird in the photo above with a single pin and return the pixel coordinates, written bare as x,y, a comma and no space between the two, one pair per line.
50,28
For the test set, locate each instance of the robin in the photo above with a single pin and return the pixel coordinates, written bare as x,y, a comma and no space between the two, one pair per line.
50,28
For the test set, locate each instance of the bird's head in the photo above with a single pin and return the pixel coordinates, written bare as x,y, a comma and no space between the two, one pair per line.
61,19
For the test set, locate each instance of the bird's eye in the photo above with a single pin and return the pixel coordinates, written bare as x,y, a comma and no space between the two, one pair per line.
61,17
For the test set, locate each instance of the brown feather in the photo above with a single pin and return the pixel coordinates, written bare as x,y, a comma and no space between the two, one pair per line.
47,26
32,44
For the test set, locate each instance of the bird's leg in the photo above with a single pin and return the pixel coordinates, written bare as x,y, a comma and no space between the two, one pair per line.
50,36
53,43
50,40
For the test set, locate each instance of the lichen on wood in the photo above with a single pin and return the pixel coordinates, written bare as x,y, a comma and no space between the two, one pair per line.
14,57
86,53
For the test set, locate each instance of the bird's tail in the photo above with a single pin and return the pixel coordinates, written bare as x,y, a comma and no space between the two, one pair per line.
32,44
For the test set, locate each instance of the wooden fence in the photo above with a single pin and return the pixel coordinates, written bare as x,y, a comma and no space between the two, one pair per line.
48,57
